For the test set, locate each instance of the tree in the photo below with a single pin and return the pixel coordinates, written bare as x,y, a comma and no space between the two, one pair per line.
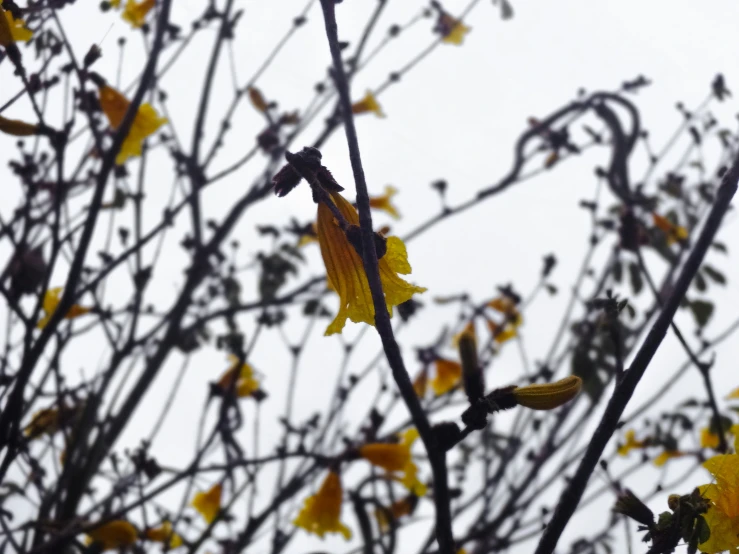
122,294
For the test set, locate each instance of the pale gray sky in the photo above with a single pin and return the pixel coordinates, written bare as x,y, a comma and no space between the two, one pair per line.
455,116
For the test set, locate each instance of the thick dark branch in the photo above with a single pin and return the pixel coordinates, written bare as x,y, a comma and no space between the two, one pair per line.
437,456
622,394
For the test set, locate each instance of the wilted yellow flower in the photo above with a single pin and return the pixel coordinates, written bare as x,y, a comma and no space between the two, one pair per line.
345,272
43,422
420,383
12,30
733,394
469,329
723,514
509,331
397,509
395,458
674,233
164,533
321,512
135,12
661,460
368,104
506,306
208,504
16,127
630,444
257,99
246,383
547,396
51,301
448,375
709,439
146,122
113,535
451,29
383,202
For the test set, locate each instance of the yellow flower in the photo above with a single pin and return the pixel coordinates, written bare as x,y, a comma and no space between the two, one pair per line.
208,503
733,394
673,232
448,375
709,439
723,514
345,273
51,301
43,422
246,383
135,12
506,306
257,99
661,460
397,509
420,383
368,104
452,30
394,458
630,444
469,329
115,3
547,396
17,128
12,30
165,534
321,512
113,535
146,122
383,202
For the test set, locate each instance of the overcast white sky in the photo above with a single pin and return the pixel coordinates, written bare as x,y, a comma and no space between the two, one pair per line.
455,117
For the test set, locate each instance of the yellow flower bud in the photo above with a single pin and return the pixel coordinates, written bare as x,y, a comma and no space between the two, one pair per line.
17,128
548,396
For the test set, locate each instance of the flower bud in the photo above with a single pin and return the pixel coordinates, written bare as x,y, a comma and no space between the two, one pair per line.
547,396
17,128
474,383
629,505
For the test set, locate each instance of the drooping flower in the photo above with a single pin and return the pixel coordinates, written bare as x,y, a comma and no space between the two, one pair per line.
257,99
52,298
547,396
399,508
208,503
368,104
246,384
113,535
630,444
508,329
661,460
16,127
451,29
420,383
709,439
11,29
345,272
468,329
146,122
135,12
383,202
673,233
43,422
448,376
723,514
165,534
321,512
395,458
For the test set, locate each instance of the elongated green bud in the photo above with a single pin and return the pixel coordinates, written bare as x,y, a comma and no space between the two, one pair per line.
547,396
